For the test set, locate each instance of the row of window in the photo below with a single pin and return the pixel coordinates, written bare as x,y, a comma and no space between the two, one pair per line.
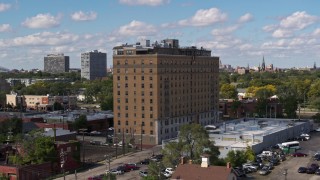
174,62
135,131
135,115
135,108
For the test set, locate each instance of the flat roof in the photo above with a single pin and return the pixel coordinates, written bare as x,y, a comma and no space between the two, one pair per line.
257,127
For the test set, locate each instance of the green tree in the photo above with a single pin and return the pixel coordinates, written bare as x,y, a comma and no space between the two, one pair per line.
193,141
236,158
154,170
37,149
228,91
80,122
250,154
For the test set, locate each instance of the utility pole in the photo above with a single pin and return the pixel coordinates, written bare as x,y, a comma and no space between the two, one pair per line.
63,159
83,148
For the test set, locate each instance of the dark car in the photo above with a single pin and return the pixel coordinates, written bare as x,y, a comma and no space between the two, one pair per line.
299,154
314,165
145,161
302,170
311,170
123,168
317,172
274,161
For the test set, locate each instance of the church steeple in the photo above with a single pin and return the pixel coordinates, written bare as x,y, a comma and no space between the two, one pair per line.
263,66
314,65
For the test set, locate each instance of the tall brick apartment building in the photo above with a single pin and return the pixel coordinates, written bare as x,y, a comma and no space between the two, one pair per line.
159,87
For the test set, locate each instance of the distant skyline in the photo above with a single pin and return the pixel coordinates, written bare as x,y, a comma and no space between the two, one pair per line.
286,32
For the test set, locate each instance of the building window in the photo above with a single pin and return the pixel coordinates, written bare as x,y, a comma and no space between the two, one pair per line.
126,130
118,115
127,123
119,93
151,93
142,131
142,93
142,101
119,131
151,86
151,124
118,70
119,123
142,108
142,85
118,62
126,78
142,78
118,107
151,101
126,93
150,70
151,115
142,124
126,85
134,70
127,101
150,61
150,78
134,77
151,108
127,115
126,107
142,115
118,78
151,132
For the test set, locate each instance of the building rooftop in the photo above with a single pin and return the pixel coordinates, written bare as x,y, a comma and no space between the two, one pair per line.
167,46
257,127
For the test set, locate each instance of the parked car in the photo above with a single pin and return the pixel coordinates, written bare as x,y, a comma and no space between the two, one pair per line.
311,170
123,168
265,170
131,166
314,165
317,172
299,154
302,170
166,174
115,171
143,173
250,166
169,170
145,161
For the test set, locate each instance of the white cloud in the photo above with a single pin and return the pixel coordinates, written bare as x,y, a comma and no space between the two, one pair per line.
5,28
298,20
245,18
269,28
205,17
281,33
44,38
84,16
224,31
42,21
316,32
137,28
4,7
144,2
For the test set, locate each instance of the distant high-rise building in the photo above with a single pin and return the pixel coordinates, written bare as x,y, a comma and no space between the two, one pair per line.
160,87
93,65
56,63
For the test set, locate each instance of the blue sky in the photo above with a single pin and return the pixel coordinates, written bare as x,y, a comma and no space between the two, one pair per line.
286,32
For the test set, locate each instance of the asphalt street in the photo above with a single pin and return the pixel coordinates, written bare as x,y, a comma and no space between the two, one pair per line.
102,166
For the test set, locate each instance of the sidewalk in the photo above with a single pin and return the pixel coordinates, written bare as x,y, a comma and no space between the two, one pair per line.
128,158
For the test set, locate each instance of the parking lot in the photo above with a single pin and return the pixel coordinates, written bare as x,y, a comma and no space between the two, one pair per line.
293,163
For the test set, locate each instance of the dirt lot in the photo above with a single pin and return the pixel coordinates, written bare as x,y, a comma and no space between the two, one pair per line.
293,163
